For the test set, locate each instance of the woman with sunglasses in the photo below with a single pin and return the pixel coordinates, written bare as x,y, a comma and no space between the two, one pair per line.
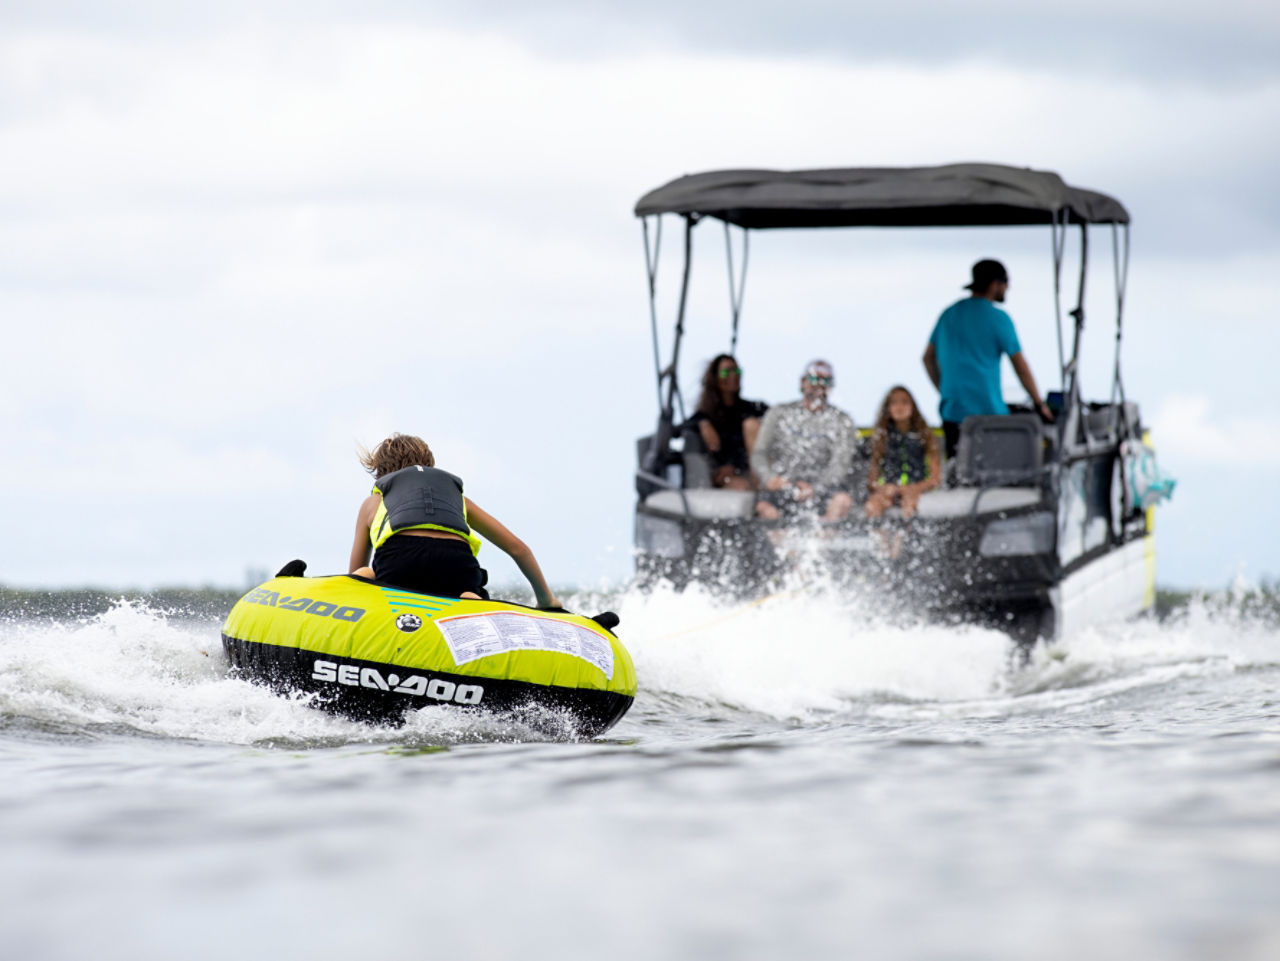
728,424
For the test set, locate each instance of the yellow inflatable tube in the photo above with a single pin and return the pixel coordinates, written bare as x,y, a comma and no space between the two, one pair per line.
371,651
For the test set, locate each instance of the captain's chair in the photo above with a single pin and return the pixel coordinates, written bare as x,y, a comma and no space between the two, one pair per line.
1000,451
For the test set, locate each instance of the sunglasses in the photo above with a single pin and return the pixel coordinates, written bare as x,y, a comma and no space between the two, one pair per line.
817,379
727,372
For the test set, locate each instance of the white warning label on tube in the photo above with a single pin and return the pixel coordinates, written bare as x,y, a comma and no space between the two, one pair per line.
472,636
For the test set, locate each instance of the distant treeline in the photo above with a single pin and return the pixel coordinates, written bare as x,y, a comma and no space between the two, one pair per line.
201,602
204,602
1261,601
215,602
1167,601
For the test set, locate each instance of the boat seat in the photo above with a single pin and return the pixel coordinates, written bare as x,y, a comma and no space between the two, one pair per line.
1004,451
695,459
713,504
655,458
967,501
706,503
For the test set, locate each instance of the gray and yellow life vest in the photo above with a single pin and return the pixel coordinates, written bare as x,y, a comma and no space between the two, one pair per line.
905,459
420,498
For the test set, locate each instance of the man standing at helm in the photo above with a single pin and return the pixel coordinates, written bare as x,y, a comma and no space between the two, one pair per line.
803,452
963,356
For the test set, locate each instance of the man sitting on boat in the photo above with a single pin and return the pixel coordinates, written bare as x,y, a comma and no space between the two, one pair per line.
963,356
803,452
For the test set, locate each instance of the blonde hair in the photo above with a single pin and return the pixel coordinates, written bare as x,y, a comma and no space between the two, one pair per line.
396,453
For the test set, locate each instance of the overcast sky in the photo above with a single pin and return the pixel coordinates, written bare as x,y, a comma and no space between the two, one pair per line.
238,240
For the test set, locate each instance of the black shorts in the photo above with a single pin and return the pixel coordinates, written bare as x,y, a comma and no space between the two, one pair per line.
951,435
736,458
430,565
788,506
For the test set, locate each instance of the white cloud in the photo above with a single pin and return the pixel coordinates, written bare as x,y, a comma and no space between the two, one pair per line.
1195,429
237,253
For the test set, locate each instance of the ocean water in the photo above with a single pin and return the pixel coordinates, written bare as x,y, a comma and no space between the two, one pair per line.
795,780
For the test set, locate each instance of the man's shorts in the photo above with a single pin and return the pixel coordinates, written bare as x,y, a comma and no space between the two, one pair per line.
788,506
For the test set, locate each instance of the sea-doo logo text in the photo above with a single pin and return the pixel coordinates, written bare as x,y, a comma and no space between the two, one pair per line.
408,622
435,688
304,604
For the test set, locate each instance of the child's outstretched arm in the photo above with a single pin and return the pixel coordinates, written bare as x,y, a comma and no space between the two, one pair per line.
488,527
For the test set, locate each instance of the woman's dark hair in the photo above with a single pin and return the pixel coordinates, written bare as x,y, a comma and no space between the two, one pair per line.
880,436
710,404
396,453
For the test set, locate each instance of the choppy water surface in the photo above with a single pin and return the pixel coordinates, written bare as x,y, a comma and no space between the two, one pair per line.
792,783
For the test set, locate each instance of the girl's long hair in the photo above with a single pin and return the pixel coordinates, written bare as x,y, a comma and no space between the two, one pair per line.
919,427
710,404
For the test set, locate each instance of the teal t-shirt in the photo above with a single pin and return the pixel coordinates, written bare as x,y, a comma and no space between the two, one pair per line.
969,339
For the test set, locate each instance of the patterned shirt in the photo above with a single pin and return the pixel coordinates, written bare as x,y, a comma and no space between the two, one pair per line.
803,445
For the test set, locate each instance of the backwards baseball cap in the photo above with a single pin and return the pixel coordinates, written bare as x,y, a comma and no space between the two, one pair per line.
986,272
819,368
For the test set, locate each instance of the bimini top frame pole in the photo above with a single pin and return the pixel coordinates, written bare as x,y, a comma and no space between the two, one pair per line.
1120,261
651,272
672,373
735,290
1073,394
668,384
1058,235
669,394
1073,399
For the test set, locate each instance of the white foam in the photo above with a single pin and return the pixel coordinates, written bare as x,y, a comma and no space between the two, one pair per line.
1203,640
795,656
133,669
800,656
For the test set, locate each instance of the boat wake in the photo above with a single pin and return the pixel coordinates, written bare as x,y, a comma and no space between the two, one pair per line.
796,658
135,671
803,657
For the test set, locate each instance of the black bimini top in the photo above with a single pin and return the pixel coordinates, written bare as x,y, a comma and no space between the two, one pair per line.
953,195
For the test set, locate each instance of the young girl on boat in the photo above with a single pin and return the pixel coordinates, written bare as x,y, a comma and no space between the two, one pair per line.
904,456
422,529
